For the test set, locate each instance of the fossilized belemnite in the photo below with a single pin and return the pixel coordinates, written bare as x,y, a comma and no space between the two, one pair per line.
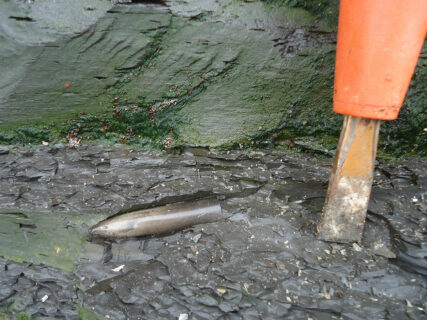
160,219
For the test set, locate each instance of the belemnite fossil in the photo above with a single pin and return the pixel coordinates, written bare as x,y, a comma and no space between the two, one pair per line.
158,220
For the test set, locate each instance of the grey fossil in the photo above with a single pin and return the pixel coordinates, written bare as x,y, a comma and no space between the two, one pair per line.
160,219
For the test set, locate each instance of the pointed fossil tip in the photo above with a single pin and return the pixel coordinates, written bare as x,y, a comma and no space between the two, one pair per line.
97,230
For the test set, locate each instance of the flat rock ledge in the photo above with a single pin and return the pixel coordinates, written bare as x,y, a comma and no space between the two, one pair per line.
263,262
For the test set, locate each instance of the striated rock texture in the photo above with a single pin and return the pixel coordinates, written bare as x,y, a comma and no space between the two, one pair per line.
233,67
87,60
236,72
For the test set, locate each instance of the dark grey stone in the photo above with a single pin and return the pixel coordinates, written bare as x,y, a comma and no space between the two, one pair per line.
262,262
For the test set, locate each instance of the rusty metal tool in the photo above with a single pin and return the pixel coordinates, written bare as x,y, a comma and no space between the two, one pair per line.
377,49
350,182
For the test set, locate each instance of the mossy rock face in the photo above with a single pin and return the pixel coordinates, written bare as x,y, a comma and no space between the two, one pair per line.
29,82
408,133
224,62
70,75
210,73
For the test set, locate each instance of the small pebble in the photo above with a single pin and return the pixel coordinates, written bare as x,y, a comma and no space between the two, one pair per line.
197,237
119,268
356,247
222,291
183,316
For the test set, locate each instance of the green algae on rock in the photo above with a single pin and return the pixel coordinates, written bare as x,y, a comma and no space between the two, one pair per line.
52,239
239,73
88,62
19,316
86,314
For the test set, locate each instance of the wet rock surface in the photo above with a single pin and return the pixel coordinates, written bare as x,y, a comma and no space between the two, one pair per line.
223,63
263,262
203,72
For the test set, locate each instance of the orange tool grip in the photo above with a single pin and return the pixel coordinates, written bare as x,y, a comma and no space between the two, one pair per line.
379,42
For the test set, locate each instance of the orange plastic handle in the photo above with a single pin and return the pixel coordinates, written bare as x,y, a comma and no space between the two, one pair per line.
379,42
